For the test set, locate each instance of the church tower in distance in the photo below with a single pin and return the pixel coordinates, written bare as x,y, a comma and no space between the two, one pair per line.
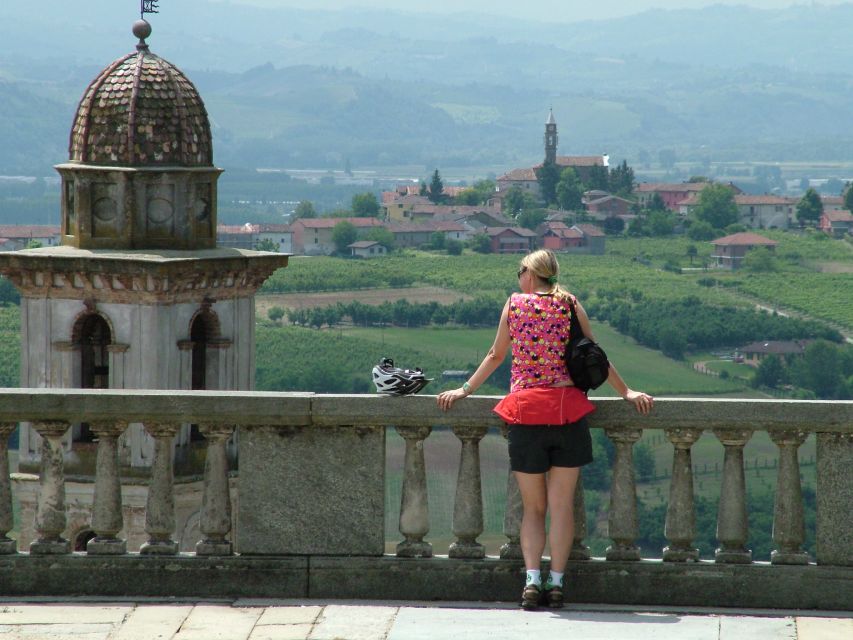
551,138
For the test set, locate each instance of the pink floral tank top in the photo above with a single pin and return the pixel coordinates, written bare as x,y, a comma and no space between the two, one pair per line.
539,328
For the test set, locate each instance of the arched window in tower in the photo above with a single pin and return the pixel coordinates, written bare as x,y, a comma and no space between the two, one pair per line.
199,332
94,336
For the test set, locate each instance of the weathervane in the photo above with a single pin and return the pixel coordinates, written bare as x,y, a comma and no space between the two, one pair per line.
148,6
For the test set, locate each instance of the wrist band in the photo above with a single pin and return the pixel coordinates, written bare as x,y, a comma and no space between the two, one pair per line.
466,387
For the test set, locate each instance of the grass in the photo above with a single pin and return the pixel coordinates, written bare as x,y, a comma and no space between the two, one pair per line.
641,367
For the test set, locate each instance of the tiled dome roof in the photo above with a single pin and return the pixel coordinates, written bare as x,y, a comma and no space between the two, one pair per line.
141,111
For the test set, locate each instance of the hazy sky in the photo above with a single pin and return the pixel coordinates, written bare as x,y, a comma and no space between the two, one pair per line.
563,10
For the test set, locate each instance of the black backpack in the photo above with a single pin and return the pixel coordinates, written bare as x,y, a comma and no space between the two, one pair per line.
586,361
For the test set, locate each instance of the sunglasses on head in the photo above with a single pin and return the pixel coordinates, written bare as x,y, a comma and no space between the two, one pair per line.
520,271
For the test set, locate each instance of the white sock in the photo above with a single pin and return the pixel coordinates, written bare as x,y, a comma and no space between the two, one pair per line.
555,579
534,576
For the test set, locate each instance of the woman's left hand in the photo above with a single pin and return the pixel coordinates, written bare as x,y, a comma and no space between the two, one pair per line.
643,401
447,398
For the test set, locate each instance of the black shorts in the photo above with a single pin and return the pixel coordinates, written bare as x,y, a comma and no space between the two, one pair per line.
536,448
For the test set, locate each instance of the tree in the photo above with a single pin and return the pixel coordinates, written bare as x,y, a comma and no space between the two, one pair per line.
656,203
275,314
770,372
569,190
365,205
454,247
531,218
517,201
437,240
548,175
381,235
481,243
819,369
622,179
343,235
809,208
692,252
759,260
848,197
599,178
305,209
661,223
267,245
717,206
435,192
701,230
613,226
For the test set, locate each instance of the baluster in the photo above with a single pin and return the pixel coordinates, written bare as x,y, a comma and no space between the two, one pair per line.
622,522
50,517
468,507
732,527
7,545
579,550
215,521
788,526
107,518
680,525
414,502
160,506
514,510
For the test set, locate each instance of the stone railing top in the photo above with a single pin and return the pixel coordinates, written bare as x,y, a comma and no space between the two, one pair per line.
304,409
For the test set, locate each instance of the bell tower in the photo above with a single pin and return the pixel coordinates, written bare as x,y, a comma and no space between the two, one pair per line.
138,296
551,138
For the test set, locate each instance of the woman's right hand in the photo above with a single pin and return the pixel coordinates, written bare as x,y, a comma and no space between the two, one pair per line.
447,398
642,401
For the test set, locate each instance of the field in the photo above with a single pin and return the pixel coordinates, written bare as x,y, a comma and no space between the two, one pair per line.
642,368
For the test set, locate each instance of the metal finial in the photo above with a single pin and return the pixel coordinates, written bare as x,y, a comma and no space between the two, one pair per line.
141,29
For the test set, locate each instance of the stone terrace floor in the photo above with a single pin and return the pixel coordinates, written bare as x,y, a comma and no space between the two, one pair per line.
91,619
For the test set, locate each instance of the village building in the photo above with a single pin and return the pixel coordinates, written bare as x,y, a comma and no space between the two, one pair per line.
730,251
511,239
367,249
755,352
417,235
601,204
836,222
754,211
280,235
674,195
21,236
313,236
578,238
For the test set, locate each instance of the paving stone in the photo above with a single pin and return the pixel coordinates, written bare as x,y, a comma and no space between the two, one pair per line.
153,622
824,628
354,623
282,632
468,624
289,615
65,631
61,613
754,628
220,622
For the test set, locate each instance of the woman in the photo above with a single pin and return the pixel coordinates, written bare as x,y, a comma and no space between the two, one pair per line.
546,416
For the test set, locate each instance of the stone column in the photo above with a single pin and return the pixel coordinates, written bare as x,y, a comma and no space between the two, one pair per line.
160,506
732,524
216,500
106,512
622,523
834,537
468,507
514,511
50,515
414,503
680,525
579,550
789,529
7,545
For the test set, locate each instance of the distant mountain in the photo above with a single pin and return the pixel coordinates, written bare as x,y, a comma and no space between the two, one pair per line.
288,87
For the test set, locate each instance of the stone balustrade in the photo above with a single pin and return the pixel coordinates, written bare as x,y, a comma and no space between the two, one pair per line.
310,508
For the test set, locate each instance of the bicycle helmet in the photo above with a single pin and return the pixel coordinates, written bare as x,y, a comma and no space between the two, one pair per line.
394,381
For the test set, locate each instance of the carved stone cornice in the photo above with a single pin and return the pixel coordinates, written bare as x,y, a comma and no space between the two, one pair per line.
136,276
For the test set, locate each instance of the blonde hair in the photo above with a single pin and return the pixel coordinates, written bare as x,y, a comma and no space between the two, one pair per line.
543,264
